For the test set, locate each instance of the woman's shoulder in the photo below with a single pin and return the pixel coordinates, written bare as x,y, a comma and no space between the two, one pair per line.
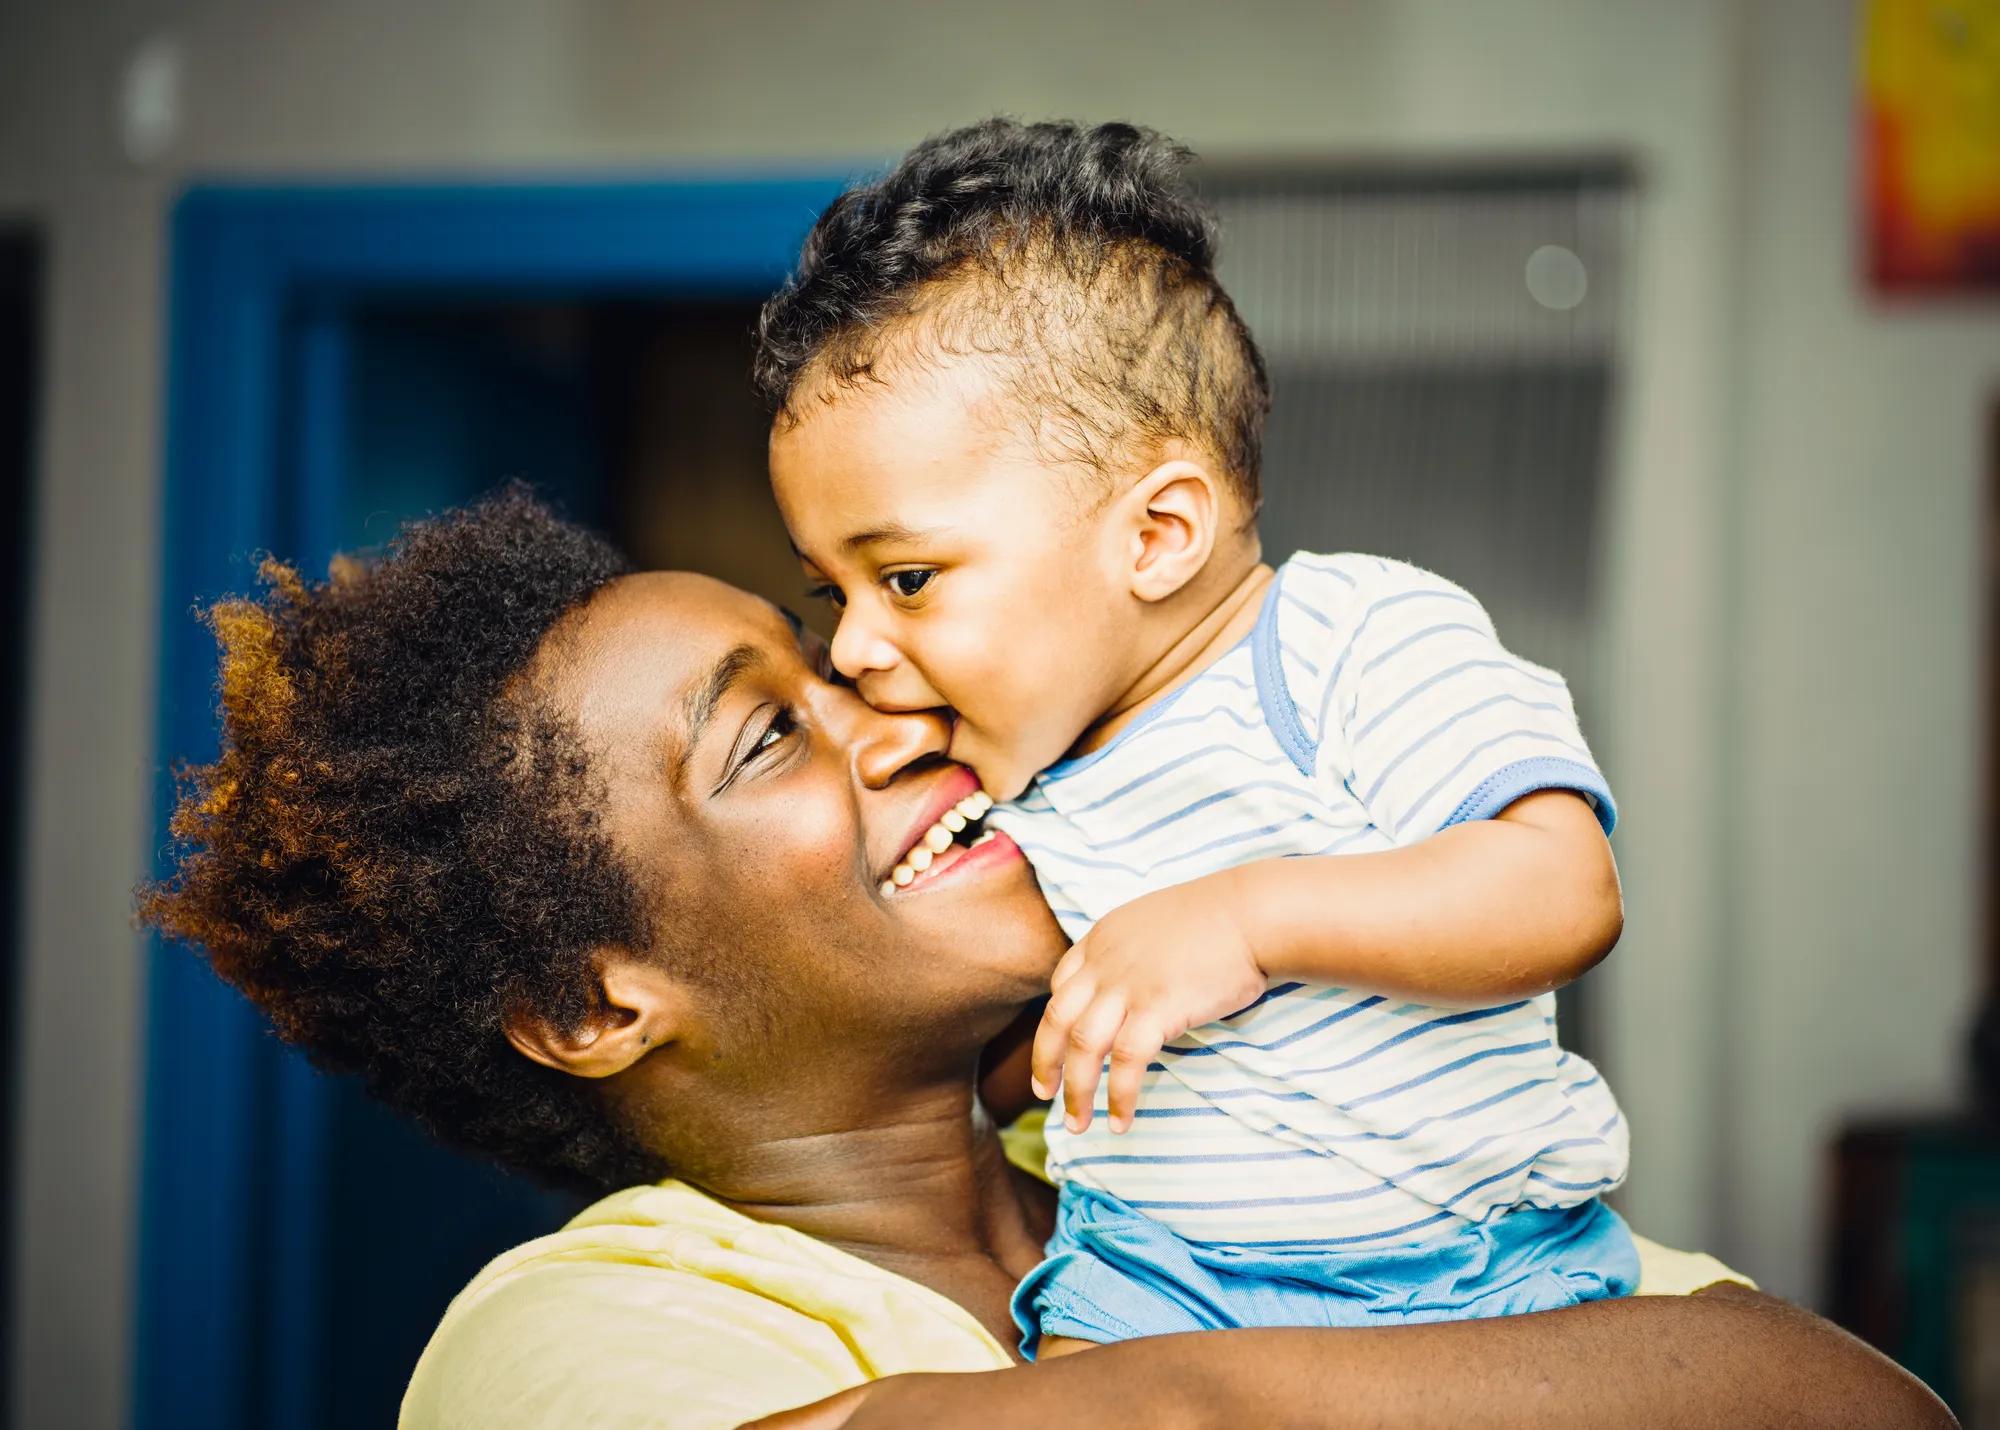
660,1304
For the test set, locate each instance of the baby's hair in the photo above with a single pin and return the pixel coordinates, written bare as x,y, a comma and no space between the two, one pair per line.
396,847
1080,257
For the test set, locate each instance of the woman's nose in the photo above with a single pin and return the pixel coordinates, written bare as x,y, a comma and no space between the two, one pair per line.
880,744
858,649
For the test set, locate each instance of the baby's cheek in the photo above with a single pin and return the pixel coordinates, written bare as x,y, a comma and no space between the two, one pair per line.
1004,674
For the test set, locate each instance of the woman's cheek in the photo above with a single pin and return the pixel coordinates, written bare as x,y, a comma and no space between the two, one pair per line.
816,842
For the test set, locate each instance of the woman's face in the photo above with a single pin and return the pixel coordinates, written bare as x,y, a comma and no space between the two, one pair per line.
765,806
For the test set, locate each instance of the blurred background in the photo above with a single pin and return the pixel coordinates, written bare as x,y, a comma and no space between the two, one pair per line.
1671,330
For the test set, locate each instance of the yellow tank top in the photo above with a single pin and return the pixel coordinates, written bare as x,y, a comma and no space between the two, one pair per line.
659,1306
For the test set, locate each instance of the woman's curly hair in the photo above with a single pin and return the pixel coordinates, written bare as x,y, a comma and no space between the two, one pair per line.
397,845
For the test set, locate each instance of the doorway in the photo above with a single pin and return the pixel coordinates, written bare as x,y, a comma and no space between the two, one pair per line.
20,392
342,359
635,415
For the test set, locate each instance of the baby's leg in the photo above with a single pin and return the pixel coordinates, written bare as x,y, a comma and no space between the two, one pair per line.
1049,1347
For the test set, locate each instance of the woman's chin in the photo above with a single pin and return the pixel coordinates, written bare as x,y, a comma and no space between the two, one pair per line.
986,911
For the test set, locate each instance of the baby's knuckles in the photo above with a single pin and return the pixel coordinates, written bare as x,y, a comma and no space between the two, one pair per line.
1176,955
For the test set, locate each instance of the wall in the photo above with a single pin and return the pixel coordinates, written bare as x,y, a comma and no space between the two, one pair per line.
1724,1156
1858,515
76,1049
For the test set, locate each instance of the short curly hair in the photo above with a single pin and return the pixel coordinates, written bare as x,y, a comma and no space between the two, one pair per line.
1083,254
398,844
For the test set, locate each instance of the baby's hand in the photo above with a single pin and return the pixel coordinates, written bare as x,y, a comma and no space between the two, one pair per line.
1146,973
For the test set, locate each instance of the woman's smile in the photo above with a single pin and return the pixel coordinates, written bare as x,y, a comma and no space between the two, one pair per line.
799,806
947,836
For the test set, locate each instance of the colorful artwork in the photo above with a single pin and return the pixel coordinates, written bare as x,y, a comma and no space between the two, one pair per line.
1930,73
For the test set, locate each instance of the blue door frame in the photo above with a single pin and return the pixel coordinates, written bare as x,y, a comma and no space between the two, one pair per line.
260,276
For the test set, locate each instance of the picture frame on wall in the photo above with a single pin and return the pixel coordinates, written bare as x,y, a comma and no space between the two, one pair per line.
1929,74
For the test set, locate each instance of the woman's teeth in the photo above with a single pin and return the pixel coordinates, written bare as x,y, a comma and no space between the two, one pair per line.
938,838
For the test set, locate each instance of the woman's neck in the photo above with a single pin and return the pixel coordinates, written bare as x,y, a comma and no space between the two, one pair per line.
924,1190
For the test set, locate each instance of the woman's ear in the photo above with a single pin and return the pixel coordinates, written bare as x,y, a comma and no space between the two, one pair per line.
1173,514
637,1008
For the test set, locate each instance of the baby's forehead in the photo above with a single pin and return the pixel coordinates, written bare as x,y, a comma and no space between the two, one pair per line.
867,446
910,508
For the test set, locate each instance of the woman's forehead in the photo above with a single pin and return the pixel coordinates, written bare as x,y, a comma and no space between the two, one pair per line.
683,610
644,639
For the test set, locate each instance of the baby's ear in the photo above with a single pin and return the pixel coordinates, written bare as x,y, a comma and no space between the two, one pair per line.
1174,512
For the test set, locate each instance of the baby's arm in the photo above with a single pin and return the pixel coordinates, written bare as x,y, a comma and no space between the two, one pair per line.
1402,700
1480,913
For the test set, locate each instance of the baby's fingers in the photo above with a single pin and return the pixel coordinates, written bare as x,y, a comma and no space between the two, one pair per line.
1132,1053
1067,967
1064,1007
1090,1040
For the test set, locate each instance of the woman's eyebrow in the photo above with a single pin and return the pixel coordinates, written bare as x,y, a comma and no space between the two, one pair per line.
698,705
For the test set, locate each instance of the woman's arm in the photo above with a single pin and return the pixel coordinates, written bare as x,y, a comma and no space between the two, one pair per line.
1728,1356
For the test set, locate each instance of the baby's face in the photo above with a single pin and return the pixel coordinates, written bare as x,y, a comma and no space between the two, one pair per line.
967,572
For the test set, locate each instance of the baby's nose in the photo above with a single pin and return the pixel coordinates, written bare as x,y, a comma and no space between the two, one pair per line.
859,651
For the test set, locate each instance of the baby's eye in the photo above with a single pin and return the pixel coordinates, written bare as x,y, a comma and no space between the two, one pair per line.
908,584
828,593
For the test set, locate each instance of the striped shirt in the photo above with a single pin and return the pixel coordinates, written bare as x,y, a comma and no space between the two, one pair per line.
1371,707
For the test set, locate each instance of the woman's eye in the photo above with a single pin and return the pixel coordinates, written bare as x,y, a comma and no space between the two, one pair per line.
910,583
781,726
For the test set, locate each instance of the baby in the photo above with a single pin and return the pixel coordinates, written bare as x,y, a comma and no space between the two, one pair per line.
1324,847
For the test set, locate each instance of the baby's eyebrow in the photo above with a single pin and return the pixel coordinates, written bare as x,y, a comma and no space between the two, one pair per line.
891,532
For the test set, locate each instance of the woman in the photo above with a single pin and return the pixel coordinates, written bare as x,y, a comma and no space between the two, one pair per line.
583,869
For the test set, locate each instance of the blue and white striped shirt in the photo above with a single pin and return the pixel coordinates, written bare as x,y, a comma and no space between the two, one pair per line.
1371,707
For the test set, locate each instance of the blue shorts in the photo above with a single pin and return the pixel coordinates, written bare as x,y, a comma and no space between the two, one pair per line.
1113,1274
